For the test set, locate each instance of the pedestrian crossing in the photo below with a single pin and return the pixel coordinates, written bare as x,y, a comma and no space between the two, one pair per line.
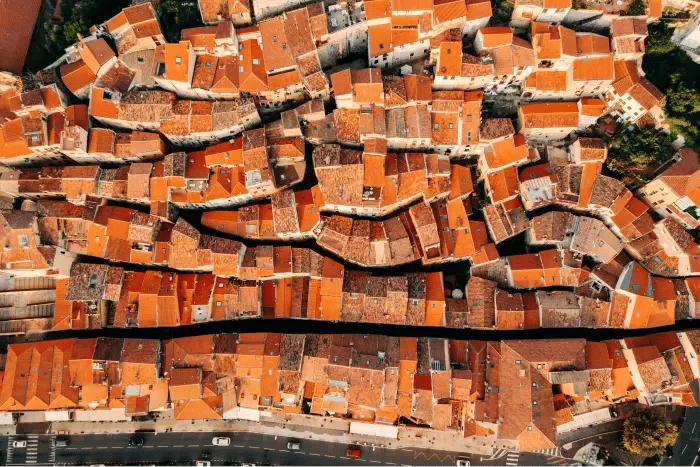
29,455
10,449
498,453
549,452
557,461
32,449
512,458
52,452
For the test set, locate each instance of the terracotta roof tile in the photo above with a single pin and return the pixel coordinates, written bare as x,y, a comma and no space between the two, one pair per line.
593,68
275,45
550,115
496,36
77,75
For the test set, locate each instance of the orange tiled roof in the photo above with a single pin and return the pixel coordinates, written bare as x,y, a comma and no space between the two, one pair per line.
594,68
550,115
496,36
547,80
77,75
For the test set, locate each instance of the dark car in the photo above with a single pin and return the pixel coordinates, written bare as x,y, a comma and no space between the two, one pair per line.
136,441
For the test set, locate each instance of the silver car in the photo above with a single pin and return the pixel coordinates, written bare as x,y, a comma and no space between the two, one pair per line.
221,441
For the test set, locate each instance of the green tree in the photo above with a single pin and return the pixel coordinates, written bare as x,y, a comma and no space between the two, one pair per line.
637,7
680,99
631,154
178,14
647,433
678,77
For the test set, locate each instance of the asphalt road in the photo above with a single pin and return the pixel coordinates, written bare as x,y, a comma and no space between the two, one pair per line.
687,447
249,448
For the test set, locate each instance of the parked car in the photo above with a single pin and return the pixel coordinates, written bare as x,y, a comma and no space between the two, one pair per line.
353,452
62,441
221,441
203,464
136,441
293,445
19,443
463,462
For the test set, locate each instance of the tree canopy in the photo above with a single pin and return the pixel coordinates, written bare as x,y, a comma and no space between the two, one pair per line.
671,70
647,433
637,7
634,153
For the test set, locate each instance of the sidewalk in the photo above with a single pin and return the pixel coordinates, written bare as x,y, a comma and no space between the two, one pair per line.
294,426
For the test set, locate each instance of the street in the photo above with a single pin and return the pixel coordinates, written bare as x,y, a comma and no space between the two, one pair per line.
685,451
249,448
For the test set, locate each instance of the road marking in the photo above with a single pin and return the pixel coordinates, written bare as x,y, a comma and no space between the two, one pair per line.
283,450
314,454
378,462
193,445
86,449
238,446
98,447
326,455
116,447
694,426
178,445
684,448
163,446
407,450
73,449
254,447
390,463
149,447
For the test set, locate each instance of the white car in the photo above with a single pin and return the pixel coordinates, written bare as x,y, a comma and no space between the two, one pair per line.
293,446
203,464
462,462
19,443
221,441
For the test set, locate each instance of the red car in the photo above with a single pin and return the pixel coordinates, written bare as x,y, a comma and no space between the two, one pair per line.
353,452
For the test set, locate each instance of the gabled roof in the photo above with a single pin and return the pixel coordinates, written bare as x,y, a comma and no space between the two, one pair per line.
213,11
276,46
628,27
684,175
550,115
77,75
496,36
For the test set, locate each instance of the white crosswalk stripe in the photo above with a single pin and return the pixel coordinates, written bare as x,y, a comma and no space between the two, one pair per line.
10,449
29,455
512,458
549,452
52,451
